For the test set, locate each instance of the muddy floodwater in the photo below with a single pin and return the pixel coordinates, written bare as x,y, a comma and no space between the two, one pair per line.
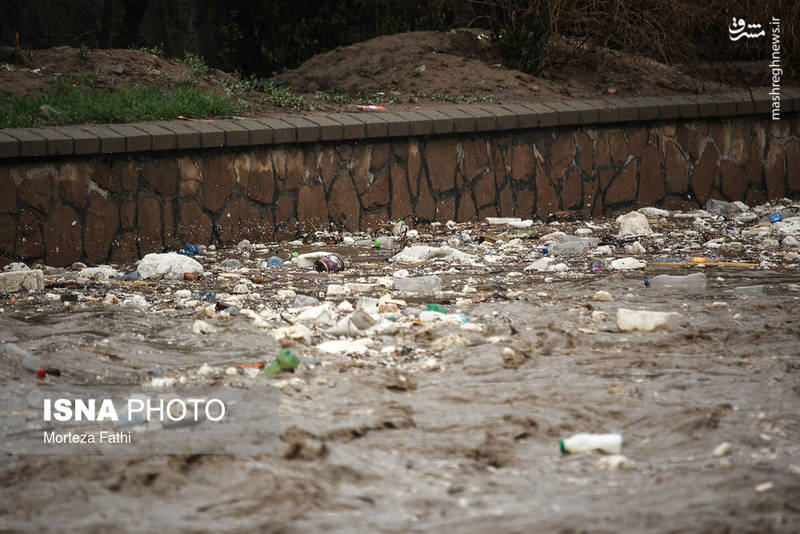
444,425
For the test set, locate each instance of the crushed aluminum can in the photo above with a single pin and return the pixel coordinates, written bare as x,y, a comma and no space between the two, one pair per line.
332,263
597,266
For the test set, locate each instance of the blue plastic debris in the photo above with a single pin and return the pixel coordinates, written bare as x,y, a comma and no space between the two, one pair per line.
190,250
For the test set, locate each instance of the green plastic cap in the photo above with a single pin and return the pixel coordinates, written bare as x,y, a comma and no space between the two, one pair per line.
561,446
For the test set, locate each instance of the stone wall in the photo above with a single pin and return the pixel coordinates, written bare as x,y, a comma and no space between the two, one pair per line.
117,207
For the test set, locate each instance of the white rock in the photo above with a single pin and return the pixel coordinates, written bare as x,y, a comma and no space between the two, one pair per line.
527,223
632,320
31,280
202,327
637,248
52,296
633,223
558,268
723,449
626,264
231,371
583,231
599,316
603,296
791,257
183,294
169,266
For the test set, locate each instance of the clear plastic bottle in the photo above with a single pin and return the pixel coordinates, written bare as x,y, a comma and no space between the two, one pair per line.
573,247
21,357
610,443
749,290
430,283
694,281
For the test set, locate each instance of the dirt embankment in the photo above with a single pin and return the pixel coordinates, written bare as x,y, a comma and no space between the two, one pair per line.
403,71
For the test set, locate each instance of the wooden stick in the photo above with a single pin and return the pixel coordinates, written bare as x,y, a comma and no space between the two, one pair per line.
742,265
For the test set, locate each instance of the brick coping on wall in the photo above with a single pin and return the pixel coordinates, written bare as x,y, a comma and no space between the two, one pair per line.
316,127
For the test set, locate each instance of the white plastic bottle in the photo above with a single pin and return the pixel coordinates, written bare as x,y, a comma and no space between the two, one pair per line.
694,281
610,443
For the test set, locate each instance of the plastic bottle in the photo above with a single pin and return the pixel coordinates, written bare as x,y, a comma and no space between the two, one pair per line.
694,281
749,290
21,357
573,247
610,443
275,262
430,283
285,361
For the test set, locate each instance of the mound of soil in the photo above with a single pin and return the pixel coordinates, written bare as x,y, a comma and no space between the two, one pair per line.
463,63
36,70
403,71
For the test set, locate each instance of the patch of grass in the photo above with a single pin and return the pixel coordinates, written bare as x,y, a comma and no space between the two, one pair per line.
76,101
369,97
335,97
196,63
157,50
450,99
278,96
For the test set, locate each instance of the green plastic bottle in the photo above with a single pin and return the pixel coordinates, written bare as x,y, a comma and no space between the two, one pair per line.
436,308
286,360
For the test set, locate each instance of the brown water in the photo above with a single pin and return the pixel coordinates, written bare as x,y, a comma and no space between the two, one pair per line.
448,432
